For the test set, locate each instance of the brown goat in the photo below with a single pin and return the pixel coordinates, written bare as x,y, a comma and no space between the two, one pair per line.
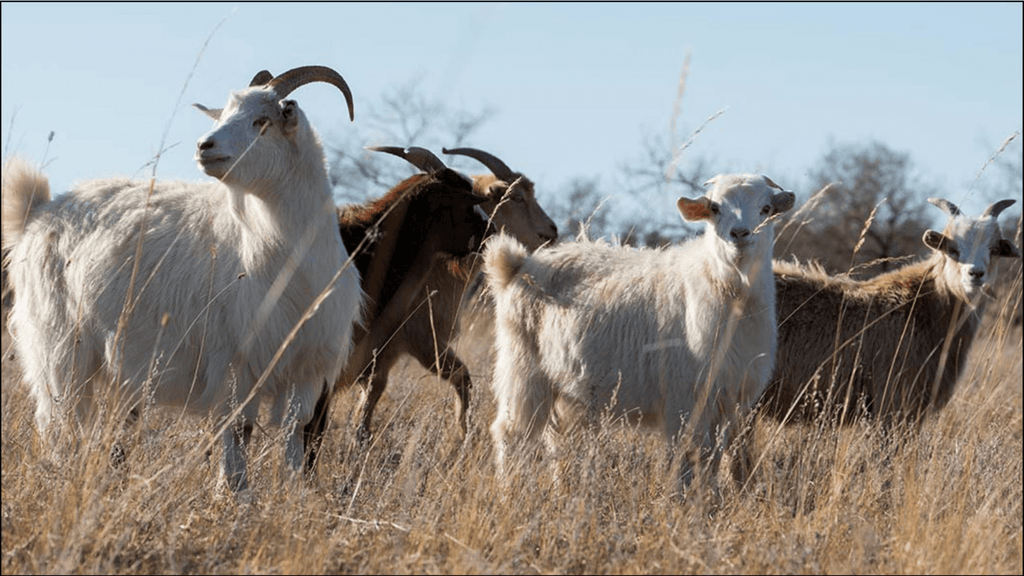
427,334
891,347
428,220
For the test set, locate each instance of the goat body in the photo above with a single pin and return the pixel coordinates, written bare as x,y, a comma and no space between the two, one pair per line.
429,330
659,336
211,297
425,222
891,347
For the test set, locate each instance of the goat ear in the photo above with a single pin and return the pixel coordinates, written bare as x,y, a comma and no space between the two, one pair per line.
693,210
496,190
936,241
1006,249
290,114
475,199
212,113
782,201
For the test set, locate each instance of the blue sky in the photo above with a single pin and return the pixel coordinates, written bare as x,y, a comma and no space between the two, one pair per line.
574,87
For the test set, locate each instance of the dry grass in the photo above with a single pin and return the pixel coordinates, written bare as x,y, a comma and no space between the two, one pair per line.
419,501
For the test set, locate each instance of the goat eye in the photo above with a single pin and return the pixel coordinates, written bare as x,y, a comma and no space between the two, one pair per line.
953,251
261,122
714,208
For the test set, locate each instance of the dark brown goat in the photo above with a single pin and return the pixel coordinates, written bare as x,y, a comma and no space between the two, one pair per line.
425,221
427,334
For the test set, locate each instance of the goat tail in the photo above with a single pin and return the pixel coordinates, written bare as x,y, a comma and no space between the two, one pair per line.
503,259
25,188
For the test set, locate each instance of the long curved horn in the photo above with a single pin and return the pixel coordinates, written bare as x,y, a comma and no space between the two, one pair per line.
287,82
261,78
995,209
419,157
946,205
493,163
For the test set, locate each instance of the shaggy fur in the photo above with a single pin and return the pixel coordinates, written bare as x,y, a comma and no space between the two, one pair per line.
184,293
891,347
660,336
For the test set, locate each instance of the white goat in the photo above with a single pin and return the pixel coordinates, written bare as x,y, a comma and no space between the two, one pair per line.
657,335
207,296
893,345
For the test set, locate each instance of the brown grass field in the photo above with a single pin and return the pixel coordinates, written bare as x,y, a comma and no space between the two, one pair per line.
419,500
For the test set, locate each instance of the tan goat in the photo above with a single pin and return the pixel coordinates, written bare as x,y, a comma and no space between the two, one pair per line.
893,346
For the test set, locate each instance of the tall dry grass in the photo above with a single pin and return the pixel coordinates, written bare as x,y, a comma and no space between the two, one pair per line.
420,501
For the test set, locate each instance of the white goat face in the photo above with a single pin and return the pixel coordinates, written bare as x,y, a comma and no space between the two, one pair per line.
737,210
254,137
968,245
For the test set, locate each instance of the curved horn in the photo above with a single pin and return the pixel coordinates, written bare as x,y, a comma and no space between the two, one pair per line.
287,82
261,78
946,205
772,183
995,209
419,157
493,163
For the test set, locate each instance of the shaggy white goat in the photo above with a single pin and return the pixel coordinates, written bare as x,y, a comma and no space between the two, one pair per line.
893,345
674,335
211,296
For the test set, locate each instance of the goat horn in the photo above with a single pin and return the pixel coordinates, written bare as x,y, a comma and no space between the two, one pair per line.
995,209
287,82
493,163
261,78
946,205
419,157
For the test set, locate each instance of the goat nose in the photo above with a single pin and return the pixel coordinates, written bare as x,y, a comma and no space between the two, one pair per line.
739,233
206,144
976,273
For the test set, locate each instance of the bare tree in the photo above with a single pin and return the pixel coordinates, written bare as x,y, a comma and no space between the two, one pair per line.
402,116
582,203
661,173
870,210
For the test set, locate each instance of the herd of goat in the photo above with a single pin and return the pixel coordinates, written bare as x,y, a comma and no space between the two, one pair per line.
217,297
